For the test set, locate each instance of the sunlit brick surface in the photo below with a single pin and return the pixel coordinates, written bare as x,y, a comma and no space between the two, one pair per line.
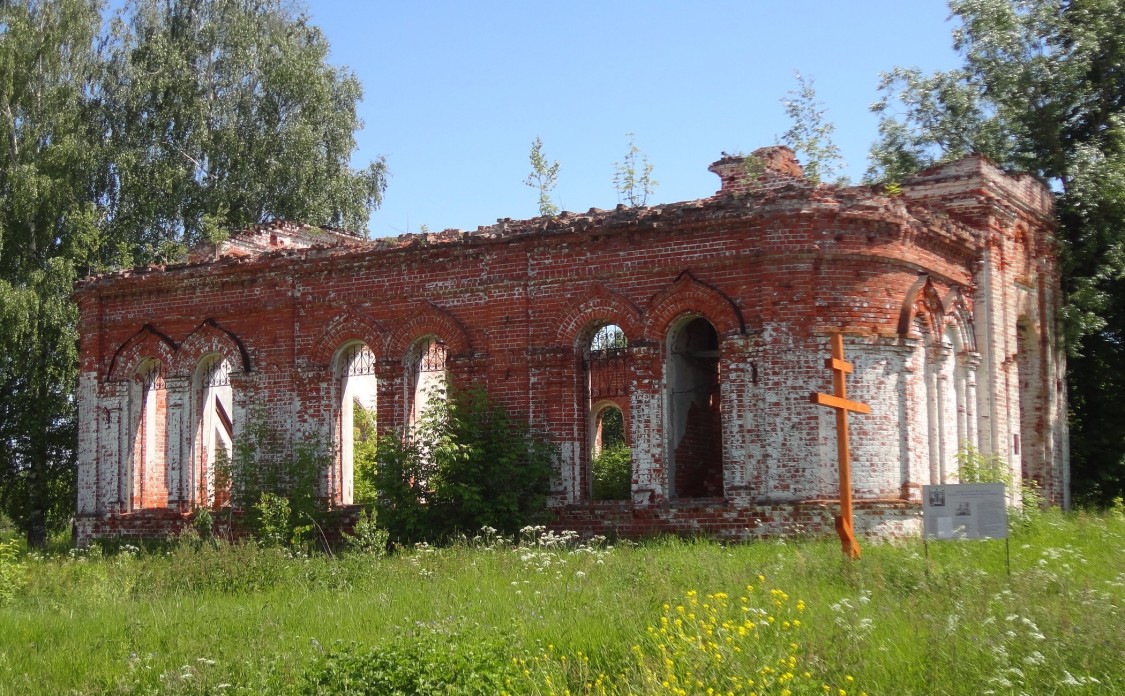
946,290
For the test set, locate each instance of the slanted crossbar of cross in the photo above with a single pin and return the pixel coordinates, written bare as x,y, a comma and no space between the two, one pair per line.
839,401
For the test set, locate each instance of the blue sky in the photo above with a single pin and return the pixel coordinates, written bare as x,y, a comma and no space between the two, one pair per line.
455,92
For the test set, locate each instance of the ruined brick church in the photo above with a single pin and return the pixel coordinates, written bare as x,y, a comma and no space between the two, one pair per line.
702,325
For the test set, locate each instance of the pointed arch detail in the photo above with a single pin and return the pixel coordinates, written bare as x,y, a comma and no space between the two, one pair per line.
210,337
428,318
146,343
689,295
923,302
349,325
600,304
957,312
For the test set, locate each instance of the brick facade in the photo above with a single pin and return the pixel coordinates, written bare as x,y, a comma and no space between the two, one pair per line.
946,291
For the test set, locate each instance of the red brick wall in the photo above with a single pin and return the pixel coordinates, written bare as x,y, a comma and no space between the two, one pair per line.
773,270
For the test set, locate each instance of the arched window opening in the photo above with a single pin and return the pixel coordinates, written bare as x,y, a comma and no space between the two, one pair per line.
215,435
606,405
355,420
947,426
1027,438
426,379
918,402
932,392
611,459
694,424
147,481
964,393
606,363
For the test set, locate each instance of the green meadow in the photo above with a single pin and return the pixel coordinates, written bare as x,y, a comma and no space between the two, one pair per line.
552,614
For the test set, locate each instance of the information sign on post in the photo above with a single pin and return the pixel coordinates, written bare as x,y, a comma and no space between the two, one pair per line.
965,511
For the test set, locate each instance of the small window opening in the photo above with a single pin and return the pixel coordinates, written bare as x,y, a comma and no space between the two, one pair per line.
427,378
216,432
695,441
355,425
612,464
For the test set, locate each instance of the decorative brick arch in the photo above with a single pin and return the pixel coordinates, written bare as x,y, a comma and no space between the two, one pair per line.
923,302
348,325
146,343
690,296
957,312
209,338
427,319
600,305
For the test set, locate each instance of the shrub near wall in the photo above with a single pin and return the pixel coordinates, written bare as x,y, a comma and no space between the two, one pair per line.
468,464
278,489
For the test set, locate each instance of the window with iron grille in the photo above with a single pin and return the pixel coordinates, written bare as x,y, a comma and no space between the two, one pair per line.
152,378
358,360
606,363
430,355
218,374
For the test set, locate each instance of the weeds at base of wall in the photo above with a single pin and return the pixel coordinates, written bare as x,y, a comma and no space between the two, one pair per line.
612,472
367,536
279,487
975,466
466,464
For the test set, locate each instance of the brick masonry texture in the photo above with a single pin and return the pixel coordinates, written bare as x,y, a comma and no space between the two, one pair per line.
946,291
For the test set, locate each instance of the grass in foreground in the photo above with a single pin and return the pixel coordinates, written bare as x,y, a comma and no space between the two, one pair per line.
551,615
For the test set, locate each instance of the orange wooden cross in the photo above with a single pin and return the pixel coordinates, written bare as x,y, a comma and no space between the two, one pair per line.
842,404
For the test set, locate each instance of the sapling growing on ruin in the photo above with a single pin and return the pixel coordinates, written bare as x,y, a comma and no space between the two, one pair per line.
543,177
810,133
632,176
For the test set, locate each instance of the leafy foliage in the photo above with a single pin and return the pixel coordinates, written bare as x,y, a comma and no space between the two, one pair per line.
364,448
38,366
1041,89
544,175
367,536
632,176
125,142
613,473
467,465
277,487
436,659
230,110
810,134
13,573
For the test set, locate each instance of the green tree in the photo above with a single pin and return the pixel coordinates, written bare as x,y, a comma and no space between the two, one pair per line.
226,113
810,133
544,175
1042,89
126,142
632,176
49,186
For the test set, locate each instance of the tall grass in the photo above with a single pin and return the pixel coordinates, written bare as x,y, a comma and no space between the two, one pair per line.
549,614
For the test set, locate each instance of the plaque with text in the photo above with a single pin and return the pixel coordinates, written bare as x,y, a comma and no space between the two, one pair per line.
965,511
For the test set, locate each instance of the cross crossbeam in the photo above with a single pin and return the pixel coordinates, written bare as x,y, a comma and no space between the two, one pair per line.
840,401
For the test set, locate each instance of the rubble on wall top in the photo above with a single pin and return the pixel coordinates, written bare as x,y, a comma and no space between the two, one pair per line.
275,235
774,181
